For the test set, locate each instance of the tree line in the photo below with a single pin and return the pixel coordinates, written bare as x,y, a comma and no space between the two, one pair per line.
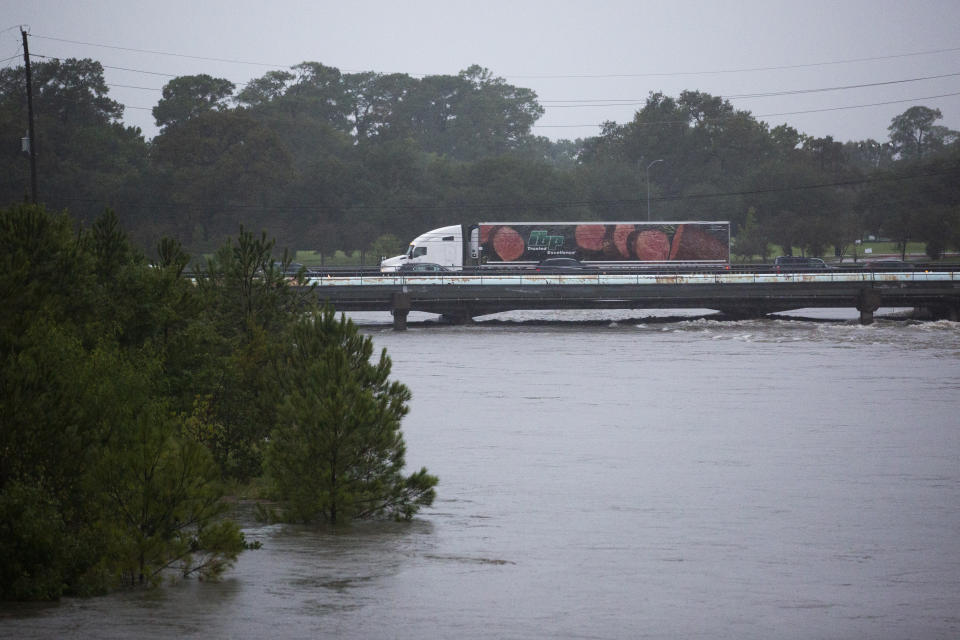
324,160
132,397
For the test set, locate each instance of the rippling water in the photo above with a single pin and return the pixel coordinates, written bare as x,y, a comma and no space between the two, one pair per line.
629,479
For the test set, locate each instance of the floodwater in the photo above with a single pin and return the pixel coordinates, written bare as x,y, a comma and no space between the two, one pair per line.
628,479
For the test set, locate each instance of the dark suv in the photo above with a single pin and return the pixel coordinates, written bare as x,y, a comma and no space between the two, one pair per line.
796,263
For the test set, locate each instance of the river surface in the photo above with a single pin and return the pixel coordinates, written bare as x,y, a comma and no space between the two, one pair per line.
634,478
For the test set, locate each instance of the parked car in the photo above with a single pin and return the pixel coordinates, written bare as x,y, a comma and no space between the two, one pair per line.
797,263
562,265
421,267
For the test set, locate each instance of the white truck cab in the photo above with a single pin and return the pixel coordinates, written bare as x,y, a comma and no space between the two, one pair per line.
443,246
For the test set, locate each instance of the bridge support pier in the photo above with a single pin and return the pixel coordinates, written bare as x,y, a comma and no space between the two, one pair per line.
867,303
941,312
400,307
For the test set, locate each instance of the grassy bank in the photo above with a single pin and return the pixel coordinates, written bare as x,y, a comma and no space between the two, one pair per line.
865,251
336,259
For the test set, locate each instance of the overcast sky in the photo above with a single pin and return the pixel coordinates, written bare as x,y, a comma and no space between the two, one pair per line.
588,62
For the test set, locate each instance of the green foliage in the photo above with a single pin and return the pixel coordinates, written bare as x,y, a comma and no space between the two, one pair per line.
163,502
751,240
97,483
262,91
109,246
247,303
42,269
85,158
912,132
33,544
386,246
128,394
172,256
186,97
326,161
214,163
337,452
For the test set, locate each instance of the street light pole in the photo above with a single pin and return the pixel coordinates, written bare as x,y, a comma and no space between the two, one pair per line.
648,186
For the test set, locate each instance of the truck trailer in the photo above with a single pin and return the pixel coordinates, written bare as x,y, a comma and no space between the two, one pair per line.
607,245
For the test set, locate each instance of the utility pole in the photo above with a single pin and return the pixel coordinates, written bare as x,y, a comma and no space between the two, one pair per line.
31,134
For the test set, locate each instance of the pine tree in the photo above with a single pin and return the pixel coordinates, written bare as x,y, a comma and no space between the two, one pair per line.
337,453
248,302
97,481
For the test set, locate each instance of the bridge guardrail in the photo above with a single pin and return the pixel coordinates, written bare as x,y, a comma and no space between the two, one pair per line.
607,278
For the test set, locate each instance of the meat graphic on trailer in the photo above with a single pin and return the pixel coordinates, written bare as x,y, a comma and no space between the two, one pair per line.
606,242
601,244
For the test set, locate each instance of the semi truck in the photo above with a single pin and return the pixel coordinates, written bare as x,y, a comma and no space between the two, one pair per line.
607,245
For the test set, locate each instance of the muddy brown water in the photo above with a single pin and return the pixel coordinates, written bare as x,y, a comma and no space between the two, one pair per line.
627,479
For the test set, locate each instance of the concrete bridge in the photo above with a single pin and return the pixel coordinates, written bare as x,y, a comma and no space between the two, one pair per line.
461,297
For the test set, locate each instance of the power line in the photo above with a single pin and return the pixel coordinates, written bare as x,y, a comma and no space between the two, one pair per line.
740,70
617,103
745,96
105,66
590,103
130,86
601,103
19,45
763,115
859,106
548,76
842,87
164,53
152,73
177,55
606,104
